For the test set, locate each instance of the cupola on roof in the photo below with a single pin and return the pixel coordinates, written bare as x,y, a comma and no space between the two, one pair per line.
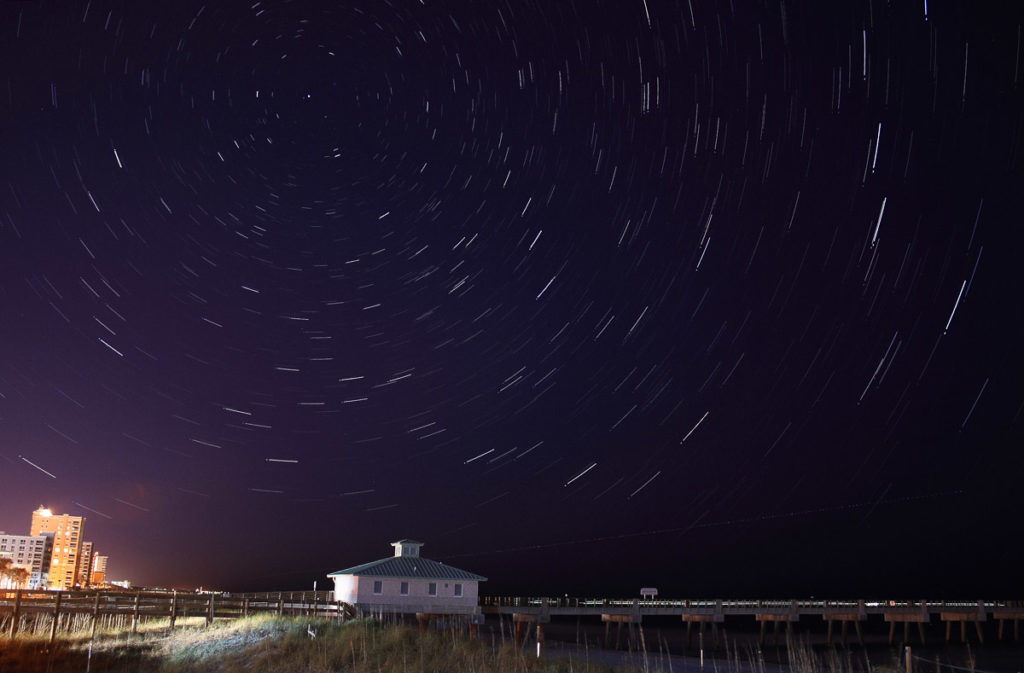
407,547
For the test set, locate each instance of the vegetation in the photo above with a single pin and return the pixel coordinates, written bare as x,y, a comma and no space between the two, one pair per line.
11,576
278,644
268,643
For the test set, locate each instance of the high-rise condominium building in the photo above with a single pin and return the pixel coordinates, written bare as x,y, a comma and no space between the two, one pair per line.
31,553
85,565
99,569
68,535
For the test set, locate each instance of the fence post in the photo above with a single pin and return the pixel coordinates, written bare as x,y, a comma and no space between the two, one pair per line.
95,615
135,614
314,603
245,607
174,606
209,614
906,651
56,616
17,613
280,604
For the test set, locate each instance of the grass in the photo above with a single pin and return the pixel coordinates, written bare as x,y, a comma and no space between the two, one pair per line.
279,644
269,643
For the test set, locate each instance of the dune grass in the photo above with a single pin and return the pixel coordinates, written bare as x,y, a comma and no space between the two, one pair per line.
271,644
268,643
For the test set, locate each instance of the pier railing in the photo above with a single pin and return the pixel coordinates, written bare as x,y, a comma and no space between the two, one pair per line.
734,606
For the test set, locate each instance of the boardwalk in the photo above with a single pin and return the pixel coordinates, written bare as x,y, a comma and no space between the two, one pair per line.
24,611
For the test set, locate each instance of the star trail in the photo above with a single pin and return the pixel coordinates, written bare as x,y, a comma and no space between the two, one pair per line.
716,296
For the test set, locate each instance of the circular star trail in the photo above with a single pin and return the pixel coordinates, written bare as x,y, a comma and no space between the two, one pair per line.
660,284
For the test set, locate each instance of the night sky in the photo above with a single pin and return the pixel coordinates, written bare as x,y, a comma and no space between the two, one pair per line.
722,297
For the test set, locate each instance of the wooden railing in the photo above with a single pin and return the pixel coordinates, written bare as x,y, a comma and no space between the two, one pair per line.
49,612
734,606
22,611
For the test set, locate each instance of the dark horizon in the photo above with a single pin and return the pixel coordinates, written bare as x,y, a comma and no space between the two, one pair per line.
722,299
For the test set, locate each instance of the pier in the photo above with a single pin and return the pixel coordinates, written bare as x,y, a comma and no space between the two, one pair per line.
23,610
774,612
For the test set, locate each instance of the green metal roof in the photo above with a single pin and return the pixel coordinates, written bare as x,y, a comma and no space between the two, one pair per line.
414,567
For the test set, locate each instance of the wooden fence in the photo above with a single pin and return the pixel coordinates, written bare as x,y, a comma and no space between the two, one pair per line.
47,612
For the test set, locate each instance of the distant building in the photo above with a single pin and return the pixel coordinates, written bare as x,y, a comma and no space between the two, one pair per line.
99,569
31,552
68,535
124,584
408,583
85,565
